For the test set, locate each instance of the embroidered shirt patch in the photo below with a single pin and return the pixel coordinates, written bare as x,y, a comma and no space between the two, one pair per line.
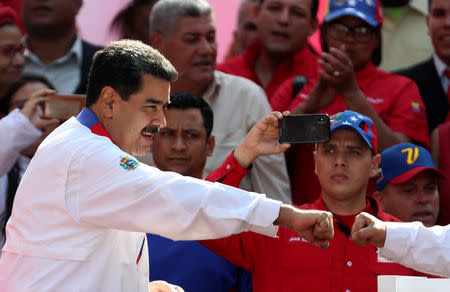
128,164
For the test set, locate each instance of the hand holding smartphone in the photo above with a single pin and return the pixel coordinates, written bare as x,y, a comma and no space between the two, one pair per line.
63,106
305,128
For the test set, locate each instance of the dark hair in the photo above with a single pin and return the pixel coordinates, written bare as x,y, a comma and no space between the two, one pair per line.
23,80
314,7
7,23
376,55
124,20
187,100
121,66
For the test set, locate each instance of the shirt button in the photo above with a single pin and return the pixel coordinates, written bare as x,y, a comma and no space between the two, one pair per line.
347,290
228,166
349,263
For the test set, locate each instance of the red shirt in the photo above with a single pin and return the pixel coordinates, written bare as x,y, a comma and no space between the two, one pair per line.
396,99
230,172
290,263
303,63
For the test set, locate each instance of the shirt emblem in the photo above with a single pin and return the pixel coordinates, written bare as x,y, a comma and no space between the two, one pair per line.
128,163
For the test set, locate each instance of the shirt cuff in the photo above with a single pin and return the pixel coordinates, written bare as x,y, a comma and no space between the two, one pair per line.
23,124
398,235
265,214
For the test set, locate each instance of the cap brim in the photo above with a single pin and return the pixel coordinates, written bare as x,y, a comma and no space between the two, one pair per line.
351,12
406,176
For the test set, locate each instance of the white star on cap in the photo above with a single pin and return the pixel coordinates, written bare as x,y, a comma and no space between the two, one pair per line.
370,3
354,119
346,123
352,2
361,117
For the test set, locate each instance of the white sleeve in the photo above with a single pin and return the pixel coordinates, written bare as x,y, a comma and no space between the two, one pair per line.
100,192
16,133
418,247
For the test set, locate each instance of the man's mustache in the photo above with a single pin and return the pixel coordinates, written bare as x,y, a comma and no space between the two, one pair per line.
151,129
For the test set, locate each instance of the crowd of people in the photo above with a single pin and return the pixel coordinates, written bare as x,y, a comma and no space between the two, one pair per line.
156,184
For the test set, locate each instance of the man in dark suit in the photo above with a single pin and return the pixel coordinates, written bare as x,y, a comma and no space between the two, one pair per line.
430,75
54,48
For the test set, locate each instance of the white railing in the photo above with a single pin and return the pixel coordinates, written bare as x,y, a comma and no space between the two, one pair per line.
412,284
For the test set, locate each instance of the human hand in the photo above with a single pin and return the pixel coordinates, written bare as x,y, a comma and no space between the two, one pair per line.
368,229
322,95
338,71
33,111
163,286
314,226
262,139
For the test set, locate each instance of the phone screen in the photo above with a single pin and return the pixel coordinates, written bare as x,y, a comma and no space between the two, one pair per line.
307,128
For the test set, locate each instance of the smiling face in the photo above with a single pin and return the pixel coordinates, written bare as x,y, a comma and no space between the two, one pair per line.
284,25
438,22
344,165
130,123
415,200
183,146
192,49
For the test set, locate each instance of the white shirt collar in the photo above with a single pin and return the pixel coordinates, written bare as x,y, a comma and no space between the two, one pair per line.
76,50
440,65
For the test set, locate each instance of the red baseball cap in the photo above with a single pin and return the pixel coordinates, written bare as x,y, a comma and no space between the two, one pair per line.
7,14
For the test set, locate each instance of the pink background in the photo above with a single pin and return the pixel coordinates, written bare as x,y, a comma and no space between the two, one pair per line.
95,16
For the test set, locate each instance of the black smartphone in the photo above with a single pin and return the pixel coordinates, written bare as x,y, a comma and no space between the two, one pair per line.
307,128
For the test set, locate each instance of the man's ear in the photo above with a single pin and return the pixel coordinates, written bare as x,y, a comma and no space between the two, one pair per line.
107,101
210,144
156,41
374,165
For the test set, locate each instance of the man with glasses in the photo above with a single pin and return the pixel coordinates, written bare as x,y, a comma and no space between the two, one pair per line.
349,79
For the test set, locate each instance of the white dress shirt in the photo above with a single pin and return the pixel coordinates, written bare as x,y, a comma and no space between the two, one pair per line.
80,217
418,247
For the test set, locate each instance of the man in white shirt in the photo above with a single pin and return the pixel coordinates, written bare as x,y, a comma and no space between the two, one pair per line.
426,249
84,204
432,75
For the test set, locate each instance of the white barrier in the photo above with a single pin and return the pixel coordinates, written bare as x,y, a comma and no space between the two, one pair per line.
412,284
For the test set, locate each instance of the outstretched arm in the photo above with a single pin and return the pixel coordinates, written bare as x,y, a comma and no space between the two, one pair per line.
314,226
261,140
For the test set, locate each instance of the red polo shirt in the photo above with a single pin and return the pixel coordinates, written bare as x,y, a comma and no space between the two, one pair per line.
290,263
303,63
396,99
230,172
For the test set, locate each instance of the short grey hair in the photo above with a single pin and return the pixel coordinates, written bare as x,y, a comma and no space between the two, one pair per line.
166,14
